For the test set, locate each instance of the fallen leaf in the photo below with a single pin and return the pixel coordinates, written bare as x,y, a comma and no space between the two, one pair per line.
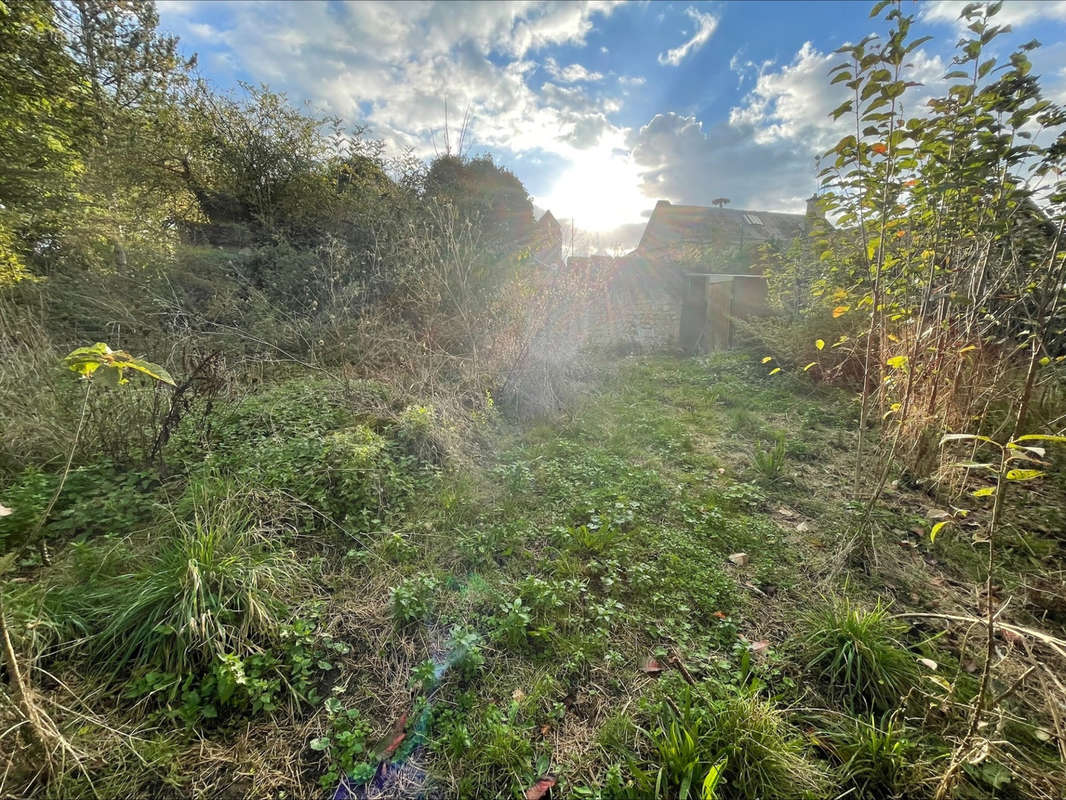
785,511
938,513
545,730
928,662
1013,638
5,511
395,738
908,544
540,788
739,559
759,646
651,666
720,615
803,527
518,695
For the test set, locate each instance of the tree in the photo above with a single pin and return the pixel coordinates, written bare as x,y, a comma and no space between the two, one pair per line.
40,128
486,194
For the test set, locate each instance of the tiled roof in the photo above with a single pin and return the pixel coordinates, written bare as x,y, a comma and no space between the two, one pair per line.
672,227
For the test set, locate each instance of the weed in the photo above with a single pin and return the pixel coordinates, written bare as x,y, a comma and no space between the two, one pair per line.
857,654
412,599
465,646
877,758
763,753
344,746
511,624
770,463
216,586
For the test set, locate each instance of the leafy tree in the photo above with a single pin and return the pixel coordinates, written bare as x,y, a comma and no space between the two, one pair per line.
39,130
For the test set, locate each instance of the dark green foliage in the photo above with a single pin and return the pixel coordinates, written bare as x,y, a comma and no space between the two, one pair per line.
344,746
97,499
857,653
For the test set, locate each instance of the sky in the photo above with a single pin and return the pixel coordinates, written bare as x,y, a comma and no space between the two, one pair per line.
600,108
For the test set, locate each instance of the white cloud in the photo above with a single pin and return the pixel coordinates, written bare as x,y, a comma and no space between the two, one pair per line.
394,65
682,162
575,73
1015,12
793,103
764,156
632,80
706,24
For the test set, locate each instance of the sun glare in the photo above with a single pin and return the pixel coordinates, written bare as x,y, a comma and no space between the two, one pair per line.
599,191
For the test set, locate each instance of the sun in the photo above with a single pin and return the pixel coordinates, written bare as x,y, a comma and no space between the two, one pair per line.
599,191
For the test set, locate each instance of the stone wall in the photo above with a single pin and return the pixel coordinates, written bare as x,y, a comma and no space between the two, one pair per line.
615,303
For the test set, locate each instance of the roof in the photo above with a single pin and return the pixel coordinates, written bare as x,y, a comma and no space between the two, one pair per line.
547,220
672,229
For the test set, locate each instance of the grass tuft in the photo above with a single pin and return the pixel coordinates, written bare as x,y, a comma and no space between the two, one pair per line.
857,653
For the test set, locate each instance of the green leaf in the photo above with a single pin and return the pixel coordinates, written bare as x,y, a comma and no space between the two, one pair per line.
320,743
87,360
1024,474
710,783
879,7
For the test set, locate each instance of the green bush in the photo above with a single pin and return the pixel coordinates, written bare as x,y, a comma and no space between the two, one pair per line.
857,654
97,499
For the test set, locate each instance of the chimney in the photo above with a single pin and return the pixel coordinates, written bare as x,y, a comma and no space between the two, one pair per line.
815,211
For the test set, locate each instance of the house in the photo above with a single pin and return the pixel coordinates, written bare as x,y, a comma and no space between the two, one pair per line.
692,273
546,247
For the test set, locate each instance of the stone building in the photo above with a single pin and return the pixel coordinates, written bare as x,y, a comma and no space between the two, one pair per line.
692,273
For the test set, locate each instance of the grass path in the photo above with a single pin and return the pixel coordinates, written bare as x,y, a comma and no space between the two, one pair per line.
594,546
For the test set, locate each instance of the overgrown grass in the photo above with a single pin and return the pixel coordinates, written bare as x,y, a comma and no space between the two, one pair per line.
548,578
858,654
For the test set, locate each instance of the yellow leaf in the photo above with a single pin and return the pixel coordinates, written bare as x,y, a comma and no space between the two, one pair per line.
775,370
987,491
1045,361
893,338
897,362
839,311
809,366
1023,474
967,349
936,529
767,359
819,343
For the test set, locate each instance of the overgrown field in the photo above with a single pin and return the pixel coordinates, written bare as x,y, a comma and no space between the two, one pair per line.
645,594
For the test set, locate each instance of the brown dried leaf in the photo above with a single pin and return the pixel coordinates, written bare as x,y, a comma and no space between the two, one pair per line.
541,787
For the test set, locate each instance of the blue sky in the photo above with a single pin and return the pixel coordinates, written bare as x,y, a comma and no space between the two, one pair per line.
600,108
